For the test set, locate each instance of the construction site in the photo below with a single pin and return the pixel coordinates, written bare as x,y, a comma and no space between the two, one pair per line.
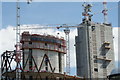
47,57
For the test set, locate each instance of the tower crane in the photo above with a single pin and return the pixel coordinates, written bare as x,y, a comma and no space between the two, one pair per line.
18,52
87,17
18,45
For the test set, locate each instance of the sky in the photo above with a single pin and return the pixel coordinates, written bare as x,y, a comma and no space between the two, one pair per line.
62,0
47,13
53,13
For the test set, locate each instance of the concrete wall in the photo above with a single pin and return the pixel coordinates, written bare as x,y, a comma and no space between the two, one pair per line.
110,52
81,52
56,58
53,56
90,52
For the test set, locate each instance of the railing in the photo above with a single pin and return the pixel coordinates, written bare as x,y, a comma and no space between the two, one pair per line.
54,41
43,47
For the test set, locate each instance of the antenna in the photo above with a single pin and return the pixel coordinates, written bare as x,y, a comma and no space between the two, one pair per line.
105,12
86,13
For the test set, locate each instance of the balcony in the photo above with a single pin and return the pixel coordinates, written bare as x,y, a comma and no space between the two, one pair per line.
106,42
106,45
104,59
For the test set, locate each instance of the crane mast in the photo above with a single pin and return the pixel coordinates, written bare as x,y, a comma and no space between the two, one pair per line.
18,51
17,22
18,45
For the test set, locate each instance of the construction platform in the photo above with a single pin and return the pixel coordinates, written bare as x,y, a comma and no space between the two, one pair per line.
8,73
42,76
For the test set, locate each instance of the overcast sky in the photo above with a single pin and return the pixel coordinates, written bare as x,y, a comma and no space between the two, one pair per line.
53,13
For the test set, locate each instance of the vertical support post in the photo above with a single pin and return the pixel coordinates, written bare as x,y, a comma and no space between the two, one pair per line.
30,60
6,63
60,66
89,56
30,63
17,21
46,64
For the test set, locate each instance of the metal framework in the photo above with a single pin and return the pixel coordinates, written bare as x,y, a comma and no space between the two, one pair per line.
18,54
6,59
9,73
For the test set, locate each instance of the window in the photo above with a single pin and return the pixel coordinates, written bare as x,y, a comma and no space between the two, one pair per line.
104,66
95,61
96,69
60,46
30,42
93,28
94,56
45,44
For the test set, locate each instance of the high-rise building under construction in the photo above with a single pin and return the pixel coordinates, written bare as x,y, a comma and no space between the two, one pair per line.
94,48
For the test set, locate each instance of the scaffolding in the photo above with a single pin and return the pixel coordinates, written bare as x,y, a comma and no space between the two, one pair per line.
10,74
